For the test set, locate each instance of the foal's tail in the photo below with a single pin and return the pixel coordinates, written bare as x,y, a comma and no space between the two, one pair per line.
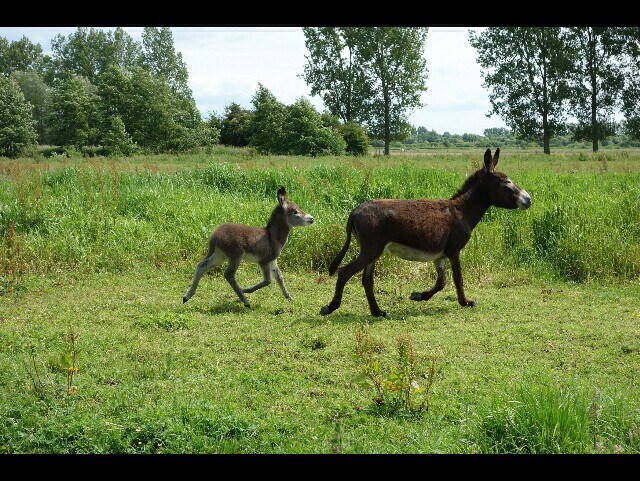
338,259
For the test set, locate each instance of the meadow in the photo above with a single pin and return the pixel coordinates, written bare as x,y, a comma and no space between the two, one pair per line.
100,355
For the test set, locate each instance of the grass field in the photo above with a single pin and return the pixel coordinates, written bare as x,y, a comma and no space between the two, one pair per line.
100,355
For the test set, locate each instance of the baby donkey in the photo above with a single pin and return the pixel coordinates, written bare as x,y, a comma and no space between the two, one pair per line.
235,242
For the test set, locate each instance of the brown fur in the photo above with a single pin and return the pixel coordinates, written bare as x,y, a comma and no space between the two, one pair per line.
235,242
423,229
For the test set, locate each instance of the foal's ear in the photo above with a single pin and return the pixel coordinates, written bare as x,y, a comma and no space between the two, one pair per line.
282,195
488,165
495,157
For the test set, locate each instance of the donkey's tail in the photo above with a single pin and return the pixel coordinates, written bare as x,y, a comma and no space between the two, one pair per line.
212,247
338,259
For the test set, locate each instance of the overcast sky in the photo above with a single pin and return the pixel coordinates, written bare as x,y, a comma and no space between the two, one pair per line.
226,64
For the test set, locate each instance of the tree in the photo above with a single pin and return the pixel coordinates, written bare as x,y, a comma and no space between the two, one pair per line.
333,72
37,93
392,59
159,57
235,126
596,81
17,132
631,74
20,55
304,133
90,51
269,115
74,113
526,70
355,137
116,140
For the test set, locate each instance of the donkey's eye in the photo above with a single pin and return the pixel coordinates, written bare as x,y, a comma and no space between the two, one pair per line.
506,181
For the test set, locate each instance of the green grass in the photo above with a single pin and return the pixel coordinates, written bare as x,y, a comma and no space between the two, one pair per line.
546,363
210,376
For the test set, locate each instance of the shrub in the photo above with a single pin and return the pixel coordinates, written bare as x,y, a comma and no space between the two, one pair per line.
355,137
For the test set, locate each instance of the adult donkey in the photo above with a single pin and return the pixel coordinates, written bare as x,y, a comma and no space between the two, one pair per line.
423,230
234,242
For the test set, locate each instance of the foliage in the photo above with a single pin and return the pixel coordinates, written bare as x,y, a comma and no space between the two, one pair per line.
526,70
304,133
372,75
596,81
116,140
396,389
38,94
235,126
266,125
73,117
334,71
21,55
88,52
393,59
17,132
355,137
630,67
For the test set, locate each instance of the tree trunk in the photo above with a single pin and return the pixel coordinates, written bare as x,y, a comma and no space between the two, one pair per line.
387,131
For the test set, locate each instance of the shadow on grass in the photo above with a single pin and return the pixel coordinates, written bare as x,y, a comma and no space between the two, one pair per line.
226,307
395,313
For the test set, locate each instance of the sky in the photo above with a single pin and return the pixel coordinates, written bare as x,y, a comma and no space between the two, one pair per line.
226,64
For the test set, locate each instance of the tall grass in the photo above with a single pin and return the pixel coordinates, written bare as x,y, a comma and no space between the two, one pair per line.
110,215
544,420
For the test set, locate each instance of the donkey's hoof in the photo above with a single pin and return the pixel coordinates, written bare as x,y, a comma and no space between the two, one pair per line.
379,314
325,310
416,296
247,305
469,303
185,299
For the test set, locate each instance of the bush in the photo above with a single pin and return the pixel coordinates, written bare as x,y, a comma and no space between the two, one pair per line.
355,137
17,131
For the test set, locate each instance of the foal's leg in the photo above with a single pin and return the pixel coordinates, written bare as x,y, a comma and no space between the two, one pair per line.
266,279
440,282
367,282
278,273
457,278
203,266
344,274
230,276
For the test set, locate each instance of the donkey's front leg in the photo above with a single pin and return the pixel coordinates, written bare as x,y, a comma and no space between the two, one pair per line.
278,273
457,278
440,283
266,280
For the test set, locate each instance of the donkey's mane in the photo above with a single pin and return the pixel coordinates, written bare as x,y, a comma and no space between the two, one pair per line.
277,212
469,184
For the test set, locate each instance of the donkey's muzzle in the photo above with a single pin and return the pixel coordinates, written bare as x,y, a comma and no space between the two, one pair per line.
524,200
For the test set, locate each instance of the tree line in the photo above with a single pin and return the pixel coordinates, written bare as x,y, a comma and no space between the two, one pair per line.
538,77
102,92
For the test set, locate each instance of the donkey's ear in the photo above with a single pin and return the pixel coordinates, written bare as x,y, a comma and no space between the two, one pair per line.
282,195
487,160
495,157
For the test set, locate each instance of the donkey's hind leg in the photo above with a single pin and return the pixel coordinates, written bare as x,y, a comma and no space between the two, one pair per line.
344,274
203,266
230,276
367,282
440,282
